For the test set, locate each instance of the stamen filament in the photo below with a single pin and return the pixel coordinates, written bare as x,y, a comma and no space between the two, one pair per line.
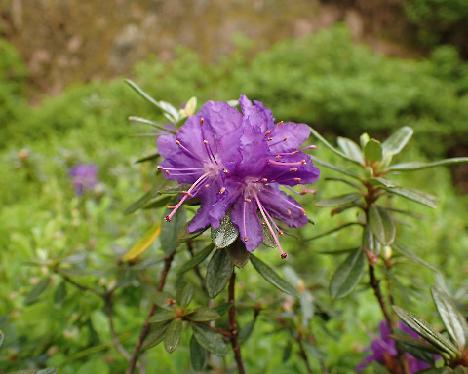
275,238
288,164
187,151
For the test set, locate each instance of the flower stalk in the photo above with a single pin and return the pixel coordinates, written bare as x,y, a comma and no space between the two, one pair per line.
233,325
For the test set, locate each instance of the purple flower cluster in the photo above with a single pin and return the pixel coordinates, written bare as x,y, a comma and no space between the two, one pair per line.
236,161
384,351
84,178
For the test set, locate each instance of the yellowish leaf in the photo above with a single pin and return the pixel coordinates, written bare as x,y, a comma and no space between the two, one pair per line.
143,244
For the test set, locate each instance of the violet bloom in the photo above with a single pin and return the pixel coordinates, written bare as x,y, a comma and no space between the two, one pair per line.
235,162
384,351
84,178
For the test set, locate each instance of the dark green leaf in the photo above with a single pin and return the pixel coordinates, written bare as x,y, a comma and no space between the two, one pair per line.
172,338
171,231
271,276
350,149
159,202
218,272
142,201
203,315
246,331
197,259
329,146
60,293
33,295
454,322
239,254
428,333
198,355
47,371
209,340
395,143
329,232
414,195
339,200
184,294
373,151
156,335
287,351
348,274
413,257
382,225
163,315
151,157
409,166
225,234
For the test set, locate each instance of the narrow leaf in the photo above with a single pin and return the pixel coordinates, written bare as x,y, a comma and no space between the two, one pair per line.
143,244
60,293
427,332
156,335
339,200
203,315
348,172
143,200
171,231
409,166
373,151
271,276
198,355
225,234
348,274
454,322
239,254
2,338
172,338
332,148
209,340
197,259
329,232
350,149
413,257
33,295
382,225
414,195
163,315
218,272
151,157
395,143
184,293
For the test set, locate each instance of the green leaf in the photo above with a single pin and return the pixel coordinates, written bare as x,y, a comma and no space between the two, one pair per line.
143,244
218,272
239,254
198,355
197,259
413,257
60,293
184,294
2,338
156,335
151,157
409,166
339,200
364,139
287,351
427,332
203,315
142,201
414,195
271,276
382,225
348,172
329,146
209,340
225,234
163,315
171,231
245,332
350,149
373,151
395,143
172,338
329,232
454,322
348,274
33,295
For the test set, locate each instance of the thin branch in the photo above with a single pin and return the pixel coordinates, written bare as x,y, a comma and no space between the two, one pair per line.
302,352
233,324
197,268
109,311
146,324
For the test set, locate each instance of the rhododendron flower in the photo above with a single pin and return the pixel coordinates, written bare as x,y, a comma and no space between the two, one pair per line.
236,163
84,178
384,351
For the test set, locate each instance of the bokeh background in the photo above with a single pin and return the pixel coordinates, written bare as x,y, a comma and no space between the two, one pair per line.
341,66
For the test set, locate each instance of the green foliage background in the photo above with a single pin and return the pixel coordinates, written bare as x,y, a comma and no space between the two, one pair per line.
325,80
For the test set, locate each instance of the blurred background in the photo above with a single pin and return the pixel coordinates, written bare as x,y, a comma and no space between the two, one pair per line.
341,66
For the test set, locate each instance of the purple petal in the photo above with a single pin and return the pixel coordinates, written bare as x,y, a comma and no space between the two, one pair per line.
244,216
256,115
287,137
282,206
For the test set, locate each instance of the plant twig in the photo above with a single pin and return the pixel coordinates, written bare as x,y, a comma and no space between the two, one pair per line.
146,324
197,268
233,324
302,352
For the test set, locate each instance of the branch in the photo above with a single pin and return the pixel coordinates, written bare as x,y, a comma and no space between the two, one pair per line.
302,352
233,324
146,324
109,310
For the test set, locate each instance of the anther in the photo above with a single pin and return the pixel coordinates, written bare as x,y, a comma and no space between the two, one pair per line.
293,169
284,255
248,200
202,120
246,239
225,171
221,190
167,218
269,139
207,185
268,132
280,233
297,179
205,141
280,123
289,212
263,180
278,157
